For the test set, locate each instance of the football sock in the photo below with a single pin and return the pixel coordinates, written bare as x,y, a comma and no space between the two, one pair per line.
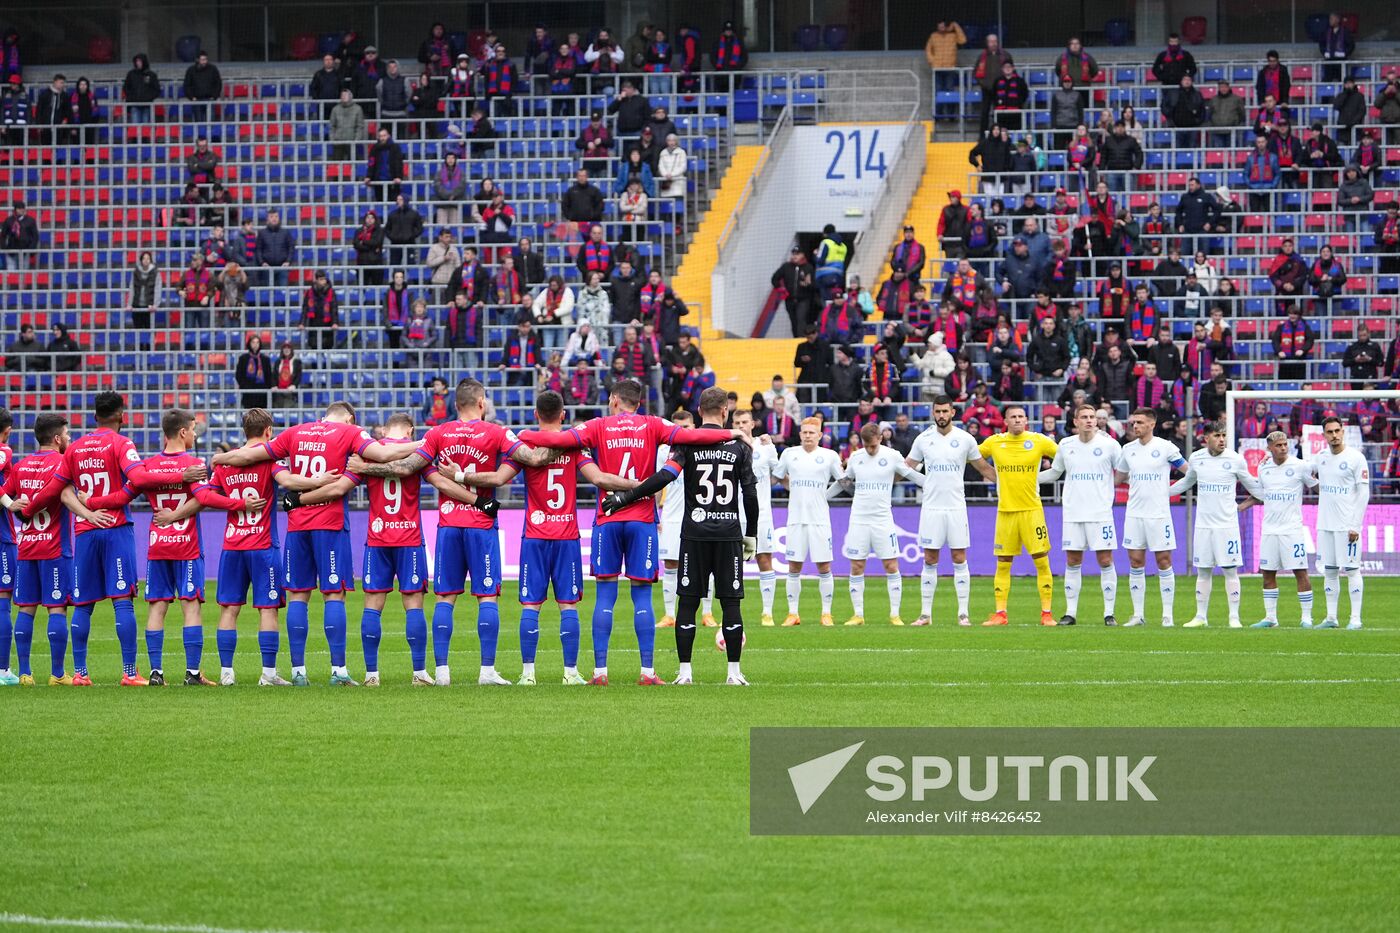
24,639
78,630
604,599
1137,589
126,631
1331,588
1205,582
767,589
58,641
1001,584
193,637
1232,592
569,635
442,631
857,587
335,627
1271,603
734,669
298,627
794,591
1305,602
227,641
686,608
894,589
488,629
415,632
1073,581
733,623
268,646
155,649
707,603
1108,582
668,591
1044,581
7,632
1354,590
1166,586
529,633
928,588
683,671
962,586
644,623
371,630
826,586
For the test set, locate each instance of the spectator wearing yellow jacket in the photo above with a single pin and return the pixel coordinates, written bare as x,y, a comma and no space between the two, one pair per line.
941,50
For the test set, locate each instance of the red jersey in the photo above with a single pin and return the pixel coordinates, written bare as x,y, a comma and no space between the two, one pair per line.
180,541
393,507
47,534
314,448
98,465
475,447
249,531
551,497
625,445
7,525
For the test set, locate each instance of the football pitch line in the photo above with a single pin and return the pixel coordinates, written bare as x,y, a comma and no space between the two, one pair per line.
1041,650
85,923
1146,682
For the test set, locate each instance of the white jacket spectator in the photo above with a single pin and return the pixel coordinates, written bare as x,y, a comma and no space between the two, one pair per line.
671,164
934,366
1206,276
443,259
563,306
582,345
781,397
593,306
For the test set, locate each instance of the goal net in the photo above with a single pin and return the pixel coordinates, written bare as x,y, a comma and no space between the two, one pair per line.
1372,425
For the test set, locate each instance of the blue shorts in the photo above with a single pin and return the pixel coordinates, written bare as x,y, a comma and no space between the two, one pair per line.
545,561
104,564
9,566
632,543
324,558
463,552
384,564
174,579
259,569
44,582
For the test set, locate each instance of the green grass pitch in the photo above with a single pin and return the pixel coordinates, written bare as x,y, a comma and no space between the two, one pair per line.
401,809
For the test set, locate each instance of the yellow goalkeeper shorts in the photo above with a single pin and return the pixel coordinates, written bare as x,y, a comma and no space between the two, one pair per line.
1021,530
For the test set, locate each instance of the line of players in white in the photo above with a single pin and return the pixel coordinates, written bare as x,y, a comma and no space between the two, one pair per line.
1091,464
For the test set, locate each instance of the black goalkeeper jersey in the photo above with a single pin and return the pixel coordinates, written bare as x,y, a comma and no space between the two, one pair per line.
716,478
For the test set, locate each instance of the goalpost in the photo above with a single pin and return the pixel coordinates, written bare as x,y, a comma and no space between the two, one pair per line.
1299,414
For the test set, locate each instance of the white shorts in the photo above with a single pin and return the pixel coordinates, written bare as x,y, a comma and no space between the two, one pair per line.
669,538
1149,534
1335,550
1216,547
862,540
765,534
1089,536
1283,552
808,541
939,528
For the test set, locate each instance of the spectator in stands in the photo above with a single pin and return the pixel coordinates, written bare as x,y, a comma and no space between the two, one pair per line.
419,332
907,260
987,72
253,373
634,168
470,277
1114,376
520,355
1007,384
992,157
437,407
82,111
1268,115
1211,398
1164,354
203,84
596,255
582,345
796,279
1288,274
832,254
582,202
423,102
1293,343
553,311
449,190
497,219
1262,176
19,236
286,378
364,79
230,293
1060,273
672,162
1289,150
1328,278
657,60
593,306
941,51
1020,273
196,292
220,211
1010,96
11,65
403,227
392,93
51,109
1350,107
632,209
1362,360
368,244
1226,116
1188,111
63,350
1119,154
23,353
1142,319
812,359
728,55
1077,64
348,127
1066,112
481,133
594,143
187,213
563,80
325,84
1003,343
1172,64
1336,45
444,259
500,81
632,111
681,358
384,172
1197,213
979,240
1081,382
508,289
436,50
14,113
350,52
1048,356
320,314
145,292
464,324
1368,158
1273,80
882,381
1387,104
202,163
539,51
583,391
952,224
398,303
1387,239
1169,277
1355,194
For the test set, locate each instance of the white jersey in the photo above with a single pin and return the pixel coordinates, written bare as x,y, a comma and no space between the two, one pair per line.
1149,469
765,457
1344,488
1088,472
1281,490
808,476
1214,478
945,458
874,477
673,503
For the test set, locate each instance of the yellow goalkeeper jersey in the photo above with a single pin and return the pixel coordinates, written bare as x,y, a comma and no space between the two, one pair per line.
1017,461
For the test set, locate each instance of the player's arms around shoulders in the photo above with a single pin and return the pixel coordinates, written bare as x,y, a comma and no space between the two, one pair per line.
380,452
529,456
555,440
1054,471
113,500
455,474
594,474
69,498
330,492
412,463
242,456
289,480
450,488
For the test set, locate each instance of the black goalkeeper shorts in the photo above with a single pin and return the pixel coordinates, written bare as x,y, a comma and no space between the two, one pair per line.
724,560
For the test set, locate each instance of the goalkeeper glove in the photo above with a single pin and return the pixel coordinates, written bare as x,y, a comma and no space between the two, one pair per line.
750,548
613,502
489,506
291,500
